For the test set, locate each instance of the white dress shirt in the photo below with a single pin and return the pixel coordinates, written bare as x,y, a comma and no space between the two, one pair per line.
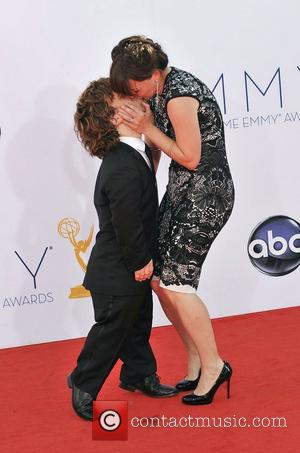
138,144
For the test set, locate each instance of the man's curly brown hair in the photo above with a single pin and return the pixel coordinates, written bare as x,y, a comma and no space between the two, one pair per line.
93,118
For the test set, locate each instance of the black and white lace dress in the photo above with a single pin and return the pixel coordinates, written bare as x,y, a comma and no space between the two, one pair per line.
197,203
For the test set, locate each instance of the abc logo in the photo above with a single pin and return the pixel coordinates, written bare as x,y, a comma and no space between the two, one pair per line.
274,246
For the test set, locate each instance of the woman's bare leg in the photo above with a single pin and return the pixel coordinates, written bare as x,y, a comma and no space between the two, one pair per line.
193,360
194,317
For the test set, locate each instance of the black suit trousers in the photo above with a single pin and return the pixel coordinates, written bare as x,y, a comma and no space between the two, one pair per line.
122,331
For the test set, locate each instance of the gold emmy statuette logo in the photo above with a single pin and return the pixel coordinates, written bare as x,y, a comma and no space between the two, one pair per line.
69,228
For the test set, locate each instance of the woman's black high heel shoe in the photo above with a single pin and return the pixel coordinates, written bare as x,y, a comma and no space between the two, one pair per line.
186,384
208,397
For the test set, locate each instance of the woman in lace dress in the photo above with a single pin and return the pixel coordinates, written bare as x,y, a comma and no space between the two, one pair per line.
199,197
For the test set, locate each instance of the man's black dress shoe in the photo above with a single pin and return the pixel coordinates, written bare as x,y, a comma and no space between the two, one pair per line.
186,384
151,386
82,402
208,397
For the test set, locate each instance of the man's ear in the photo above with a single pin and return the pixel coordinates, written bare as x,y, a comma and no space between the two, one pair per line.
116,120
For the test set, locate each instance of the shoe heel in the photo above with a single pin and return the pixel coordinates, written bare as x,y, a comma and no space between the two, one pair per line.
228,388
128,387
69,381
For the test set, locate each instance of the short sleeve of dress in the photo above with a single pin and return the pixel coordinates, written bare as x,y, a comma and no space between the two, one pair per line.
182,84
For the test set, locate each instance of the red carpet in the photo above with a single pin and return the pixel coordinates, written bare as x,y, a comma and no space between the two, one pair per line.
263,348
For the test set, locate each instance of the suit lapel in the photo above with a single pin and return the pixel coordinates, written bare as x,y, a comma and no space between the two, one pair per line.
140,157
149,155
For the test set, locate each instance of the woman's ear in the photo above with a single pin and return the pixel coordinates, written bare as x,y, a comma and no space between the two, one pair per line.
156,75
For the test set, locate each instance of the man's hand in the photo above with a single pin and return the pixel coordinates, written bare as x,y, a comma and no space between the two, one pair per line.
144,273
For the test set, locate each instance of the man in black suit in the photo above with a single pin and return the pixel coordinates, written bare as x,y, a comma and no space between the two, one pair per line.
120,264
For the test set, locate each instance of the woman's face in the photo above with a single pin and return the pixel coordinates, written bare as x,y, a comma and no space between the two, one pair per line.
144,89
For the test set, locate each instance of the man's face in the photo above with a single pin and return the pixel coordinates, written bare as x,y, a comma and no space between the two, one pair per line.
119,101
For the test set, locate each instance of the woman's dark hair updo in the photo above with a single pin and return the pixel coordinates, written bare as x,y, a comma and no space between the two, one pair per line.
135,58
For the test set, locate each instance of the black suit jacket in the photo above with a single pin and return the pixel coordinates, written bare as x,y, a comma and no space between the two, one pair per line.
127,205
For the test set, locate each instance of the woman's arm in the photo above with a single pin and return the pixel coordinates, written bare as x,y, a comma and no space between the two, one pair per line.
182,111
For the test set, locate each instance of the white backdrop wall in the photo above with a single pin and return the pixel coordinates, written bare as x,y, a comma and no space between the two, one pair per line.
50,50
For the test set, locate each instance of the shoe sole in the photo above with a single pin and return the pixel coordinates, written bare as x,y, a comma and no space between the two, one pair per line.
197,403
